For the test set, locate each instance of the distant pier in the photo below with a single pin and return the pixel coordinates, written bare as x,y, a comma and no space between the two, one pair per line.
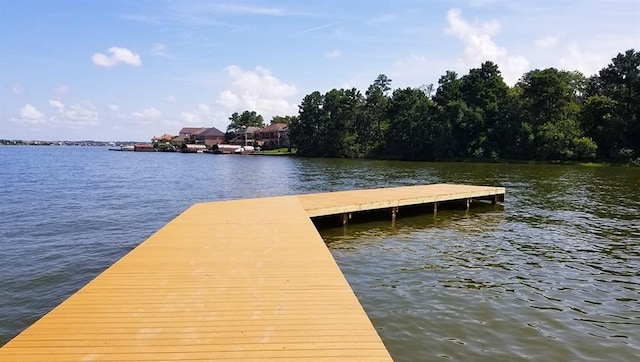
237,280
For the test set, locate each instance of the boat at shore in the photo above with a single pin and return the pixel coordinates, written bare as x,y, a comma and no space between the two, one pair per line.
123,148
139,147
233,149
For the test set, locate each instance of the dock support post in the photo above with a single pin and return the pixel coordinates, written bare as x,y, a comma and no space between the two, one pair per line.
435,207
494,201
468,202
394,214
344,219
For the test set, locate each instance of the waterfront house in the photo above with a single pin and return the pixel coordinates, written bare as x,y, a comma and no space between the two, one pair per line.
275,135
246,136
191,134
208,136
212,136
163,139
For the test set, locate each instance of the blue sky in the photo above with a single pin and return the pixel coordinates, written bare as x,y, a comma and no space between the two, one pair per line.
129,70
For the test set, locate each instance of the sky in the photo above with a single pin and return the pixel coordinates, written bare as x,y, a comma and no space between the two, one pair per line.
112,70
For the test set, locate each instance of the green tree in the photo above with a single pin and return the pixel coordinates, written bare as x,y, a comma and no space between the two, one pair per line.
282,119
484,92
549,114
450,112
551,101
547,96
620,81
246,119
326,125
603,124
372,123
563,140
414,131
517,138
448,89
383,83
308,130
343,109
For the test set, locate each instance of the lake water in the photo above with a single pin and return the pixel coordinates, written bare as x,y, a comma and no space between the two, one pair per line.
554,274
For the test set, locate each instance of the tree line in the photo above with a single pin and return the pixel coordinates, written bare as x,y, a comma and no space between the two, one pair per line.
548,115
246,119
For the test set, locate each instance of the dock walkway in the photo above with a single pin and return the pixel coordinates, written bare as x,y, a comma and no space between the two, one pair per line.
231,280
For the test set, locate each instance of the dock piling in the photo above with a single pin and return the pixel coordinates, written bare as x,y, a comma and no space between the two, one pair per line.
394,214
344,218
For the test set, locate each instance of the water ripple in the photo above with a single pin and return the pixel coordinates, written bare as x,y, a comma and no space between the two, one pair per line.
545,280
553,275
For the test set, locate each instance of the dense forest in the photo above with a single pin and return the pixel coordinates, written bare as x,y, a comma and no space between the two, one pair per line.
549,115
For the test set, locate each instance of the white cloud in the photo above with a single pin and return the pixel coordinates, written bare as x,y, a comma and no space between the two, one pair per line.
415,70
190,11
116,56
348,84
260,81
546,42
584,61
148,114
333,54
30,114
201,116
170,98
113,107
58,105
229,100
480,47
191,118
74,116
206,13
257,90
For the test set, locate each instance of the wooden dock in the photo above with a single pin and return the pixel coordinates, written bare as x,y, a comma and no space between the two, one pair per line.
232,280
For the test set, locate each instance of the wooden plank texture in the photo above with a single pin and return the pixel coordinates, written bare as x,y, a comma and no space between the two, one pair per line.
335,203
233,280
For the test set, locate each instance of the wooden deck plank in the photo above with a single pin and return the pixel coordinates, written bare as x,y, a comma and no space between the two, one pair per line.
335,203
233,280
227,265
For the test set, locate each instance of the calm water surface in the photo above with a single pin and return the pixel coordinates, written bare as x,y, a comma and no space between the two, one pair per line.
552,275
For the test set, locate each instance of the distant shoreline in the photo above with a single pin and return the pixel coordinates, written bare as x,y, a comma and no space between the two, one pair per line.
70,143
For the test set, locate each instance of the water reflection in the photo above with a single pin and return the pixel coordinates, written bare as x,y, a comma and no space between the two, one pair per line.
553,277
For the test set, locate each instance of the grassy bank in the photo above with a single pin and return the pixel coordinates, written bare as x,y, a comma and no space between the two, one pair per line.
277,152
